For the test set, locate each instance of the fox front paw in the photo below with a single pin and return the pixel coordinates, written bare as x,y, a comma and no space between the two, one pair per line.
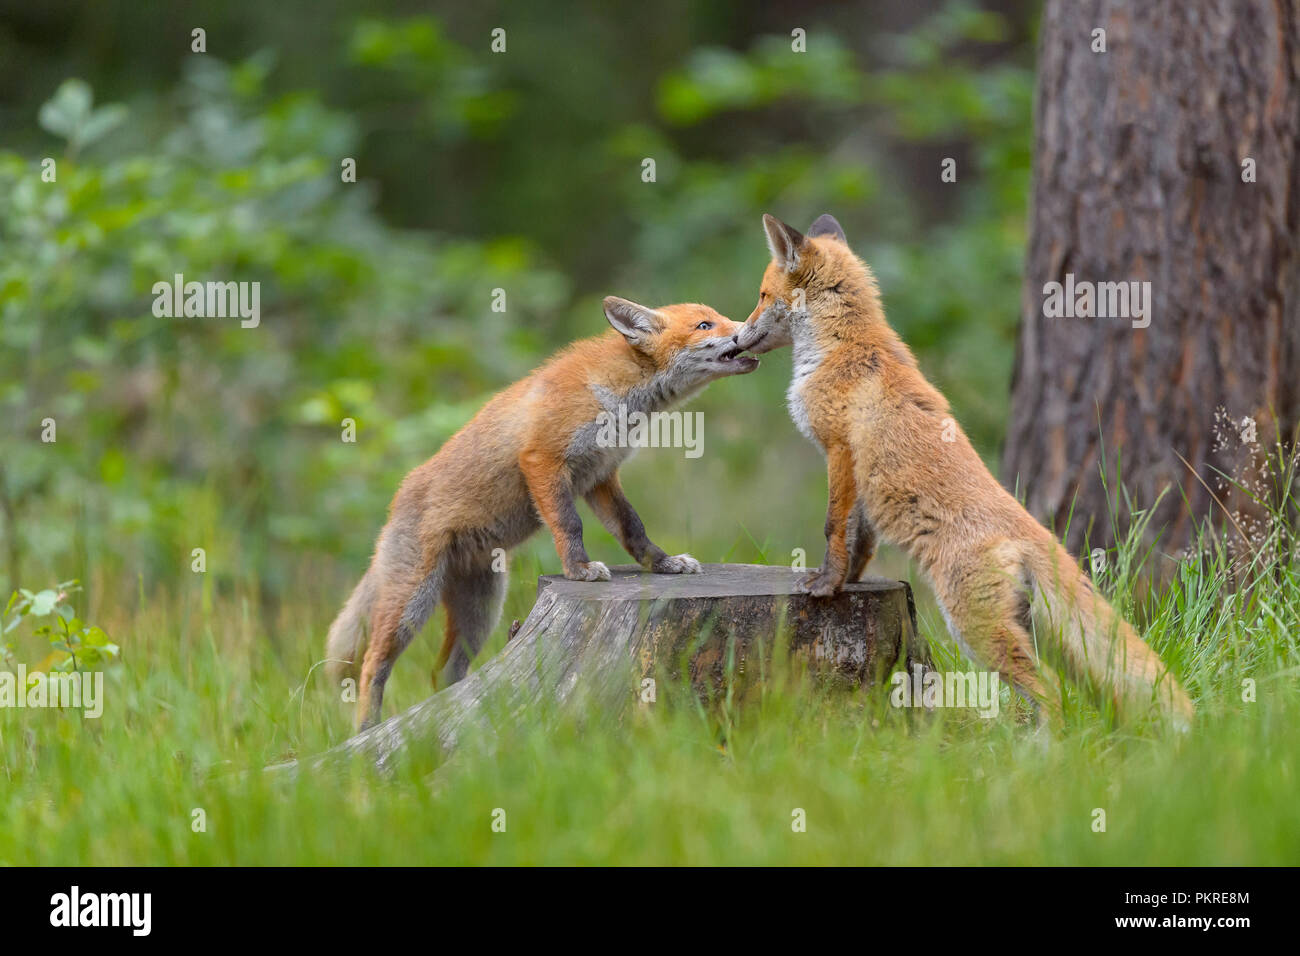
676,564
819,584
590,571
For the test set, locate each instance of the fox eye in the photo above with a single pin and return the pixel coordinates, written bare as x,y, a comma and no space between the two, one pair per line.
704,326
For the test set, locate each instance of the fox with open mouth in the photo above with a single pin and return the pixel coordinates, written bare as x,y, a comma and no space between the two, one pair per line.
521,462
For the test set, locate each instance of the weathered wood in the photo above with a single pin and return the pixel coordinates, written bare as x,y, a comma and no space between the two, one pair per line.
591,645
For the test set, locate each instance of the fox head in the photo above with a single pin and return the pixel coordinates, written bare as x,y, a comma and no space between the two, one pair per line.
807,278
689,345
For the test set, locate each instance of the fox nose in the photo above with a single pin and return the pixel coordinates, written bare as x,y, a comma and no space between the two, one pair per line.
735,339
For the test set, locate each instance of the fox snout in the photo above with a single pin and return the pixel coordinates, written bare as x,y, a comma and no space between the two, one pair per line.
750,337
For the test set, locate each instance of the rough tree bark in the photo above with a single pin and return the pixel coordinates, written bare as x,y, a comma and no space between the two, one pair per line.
1138,175
591,646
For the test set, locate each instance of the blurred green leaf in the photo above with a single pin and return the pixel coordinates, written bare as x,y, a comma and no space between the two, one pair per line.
69,114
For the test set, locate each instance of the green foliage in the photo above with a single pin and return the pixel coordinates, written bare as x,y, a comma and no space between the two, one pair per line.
75,645
163,412
461,99
70,116
714,79
177,433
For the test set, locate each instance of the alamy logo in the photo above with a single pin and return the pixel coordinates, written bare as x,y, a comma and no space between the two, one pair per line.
651,430
134,910
210,300
1099,300
78,690
976,689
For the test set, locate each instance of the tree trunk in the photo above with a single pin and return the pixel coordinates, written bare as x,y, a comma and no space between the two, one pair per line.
593,646
1140,159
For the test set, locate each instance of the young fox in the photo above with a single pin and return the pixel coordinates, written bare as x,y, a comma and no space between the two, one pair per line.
901,470
524,459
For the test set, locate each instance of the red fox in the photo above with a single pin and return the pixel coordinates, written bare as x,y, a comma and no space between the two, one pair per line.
523,460
901,470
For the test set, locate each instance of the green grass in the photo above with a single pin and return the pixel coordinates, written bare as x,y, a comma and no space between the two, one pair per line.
205,693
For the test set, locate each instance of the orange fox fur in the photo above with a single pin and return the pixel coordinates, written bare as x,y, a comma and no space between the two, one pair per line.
522,461
901,470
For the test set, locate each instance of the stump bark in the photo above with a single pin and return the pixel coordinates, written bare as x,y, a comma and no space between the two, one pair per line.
592,645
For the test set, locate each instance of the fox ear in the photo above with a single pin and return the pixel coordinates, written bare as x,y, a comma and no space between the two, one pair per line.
636,322
786,242
827,226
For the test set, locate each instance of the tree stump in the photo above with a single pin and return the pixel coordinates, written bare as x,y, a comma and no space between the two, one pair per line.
592,645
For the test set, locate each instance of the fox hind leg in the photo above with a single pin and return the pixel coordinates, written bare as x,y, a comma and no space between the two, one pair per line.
403,607
1010,651
992,620
473,599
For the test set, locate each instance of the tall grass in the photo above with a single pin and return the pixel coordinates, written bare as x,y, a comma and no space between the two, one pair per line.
204,695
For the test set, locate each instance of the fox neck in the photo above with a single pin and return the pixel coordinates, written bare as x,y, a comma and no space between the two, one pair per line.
645,386
854,319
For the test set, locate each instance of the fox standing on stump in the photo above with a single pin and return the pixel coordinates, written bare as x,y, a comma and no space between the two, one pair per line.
902,470
524,459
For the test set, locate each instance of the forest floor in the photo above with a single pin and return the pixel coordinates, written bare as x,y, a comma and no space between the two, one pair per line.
793,775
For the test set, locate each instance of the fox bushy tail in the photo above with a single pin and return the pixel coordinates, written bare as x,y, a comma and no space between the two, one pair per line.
343,645
1097,643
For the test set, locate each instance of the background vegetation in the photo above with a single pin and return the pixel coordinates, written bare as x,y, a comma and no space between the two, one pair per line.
519,171
476,172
